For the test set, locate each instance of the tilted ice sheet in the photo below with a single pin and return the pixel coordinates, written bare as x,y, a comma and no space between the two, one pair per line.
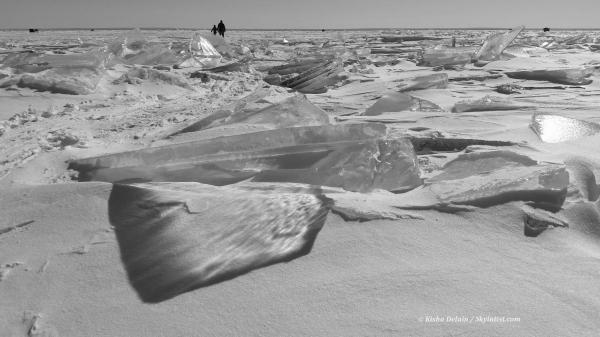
496,43
398,101
572,76
294,111
177,237
555,128
354,157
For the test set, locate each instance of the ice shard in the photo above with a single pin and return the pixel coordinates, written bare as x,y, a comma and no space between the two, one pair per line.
33,62
263,140
476,180
524,51
74,74
60,80
493,177
316,79
555,128
433,81
129,43
295,67
201,47
496,43
434,57
388,164
424,145
133,75
231,66
582,171
398,101
543,184
219,43
408,38
469,164
314,76
293,111
488,103
580,38
200,53
537,220
354,156
572,76
152,55
177,237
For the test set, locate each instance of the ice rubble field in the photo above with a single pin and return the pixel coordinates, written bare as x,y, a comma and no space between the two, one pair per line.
414,182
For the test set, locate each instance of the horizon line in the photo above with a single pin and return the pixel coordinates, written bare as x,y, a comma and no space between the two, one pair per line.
290,29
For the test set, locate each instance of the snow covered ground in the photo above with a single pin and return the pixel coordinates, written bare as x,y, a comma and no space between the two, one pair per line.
492,228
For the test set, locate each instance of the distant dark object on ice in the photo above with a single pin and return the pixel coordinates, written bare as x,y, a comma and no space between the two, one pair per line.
33,30
546,29
221,29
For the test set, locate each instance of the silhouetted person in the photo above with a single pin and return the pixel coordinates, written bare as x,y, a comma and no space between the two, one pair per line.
221,28
214,30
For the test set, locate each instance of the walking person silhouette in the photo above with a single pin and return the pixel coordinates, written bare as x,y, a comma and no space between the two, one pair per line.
221,28
214,30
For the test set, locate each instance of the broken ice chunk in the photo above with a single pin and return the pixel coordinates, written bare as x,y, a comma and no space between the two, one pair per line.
493,177
201,47
316,80
397,101
435,57
496,43
272,139
509,88
488,103
584,178
357,166
34,62
177,237
68,81
129,43
152,55
293,111
573,76
545,185
295,67
133,75
555,129
356,157
314,76
75,74
537,220
524,51
425,145
402,38
473,163
435,81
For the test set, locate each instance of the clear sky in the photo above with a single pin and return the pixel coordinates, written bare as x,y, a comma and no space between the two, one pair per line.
314,14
